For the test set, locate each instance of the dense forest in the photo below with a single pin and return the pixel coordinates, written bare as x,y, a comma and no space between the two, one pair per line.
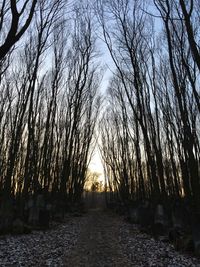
151,127
49,104
52,109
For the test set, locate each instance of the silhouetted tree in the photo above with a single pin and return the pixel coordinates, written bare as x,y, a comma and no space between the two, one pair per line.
19,15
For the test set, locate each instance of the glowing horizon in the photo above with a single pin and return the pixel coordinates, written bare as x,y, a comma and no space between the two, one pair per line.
96,165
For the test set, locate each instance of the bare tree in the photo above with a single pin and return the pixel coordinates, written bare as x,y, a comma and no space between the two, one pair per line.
21,14
157,88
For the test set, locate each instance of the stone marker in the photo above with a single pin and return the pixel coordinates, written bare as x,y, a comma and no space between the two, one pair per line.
133,215
160,220
196,233
145,215
18,227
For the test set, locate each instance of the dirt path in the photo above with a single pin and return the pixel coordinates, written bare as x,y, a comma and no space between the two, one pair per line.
98,244
97,239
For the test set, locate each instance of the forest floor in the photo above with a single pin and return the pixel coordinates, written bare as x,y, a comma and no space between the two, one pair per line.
108,241
99,238
98,244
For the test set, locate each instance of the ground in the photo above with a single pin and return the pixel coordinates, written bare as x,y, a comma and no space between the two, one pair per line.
98,244
97,238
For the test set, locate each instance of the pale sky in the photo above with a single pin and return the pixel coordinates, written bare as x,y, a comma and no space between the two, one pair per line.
108,65
96,164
